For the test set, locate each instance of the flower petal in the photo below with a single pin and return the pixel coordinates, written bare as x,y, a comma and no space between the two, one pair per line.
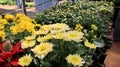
6,55
1,60
14,63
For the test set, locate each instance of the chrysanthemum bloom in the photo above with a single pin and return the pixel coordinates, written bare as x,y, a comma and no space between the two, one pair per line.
17,28
59,27
78,27
30,37
9,17
41,32
25,60
94,27
1,26
25,18
88,44
59,36
30,27
3,21
18,15
27,43
26,25
43,49
75,60
46,27
74,36
22,26
0,17
2,34
45,38
13,29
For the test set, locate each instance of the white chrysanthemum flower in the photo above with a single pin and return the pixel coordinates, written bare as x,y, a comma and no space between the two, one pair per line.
42,49
59,36
27,43
74,36
25,60
30,37
45,38
75,60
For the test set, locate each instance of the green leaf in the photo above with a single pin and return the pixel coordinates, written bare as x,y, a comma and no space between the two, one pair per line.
99,42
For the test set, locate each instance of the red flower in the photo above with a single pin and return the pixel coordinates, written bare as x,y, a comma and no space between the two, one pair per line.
8,54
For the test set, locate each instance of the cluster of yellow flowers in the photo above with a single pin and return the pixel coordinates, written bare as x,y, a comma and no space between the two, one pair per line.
9,17
3,22
23,23
18,24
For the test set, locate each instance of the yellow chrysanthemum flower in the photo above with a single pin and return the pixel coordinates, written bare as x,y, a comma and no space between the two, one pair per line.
46,27
25,18
25,60
3,21
59,27
59,36
30,37
45,38
90,45
0,17
22,26
43,49
14,29
74,36
27,43
19,15
9,17
75,60
94,27
1,26
55,31
41,32
78,27
30,27
2,34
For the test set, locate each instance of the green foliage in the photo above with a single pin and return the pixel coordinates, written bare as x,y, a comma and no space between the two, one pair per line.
83,12
10,2
30,4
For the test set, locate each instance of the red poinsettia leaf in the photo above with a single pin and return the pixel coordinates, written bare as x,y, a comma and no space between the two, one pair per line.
1,45
16,47
5,55
21,50
7,64
1,60
14,63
